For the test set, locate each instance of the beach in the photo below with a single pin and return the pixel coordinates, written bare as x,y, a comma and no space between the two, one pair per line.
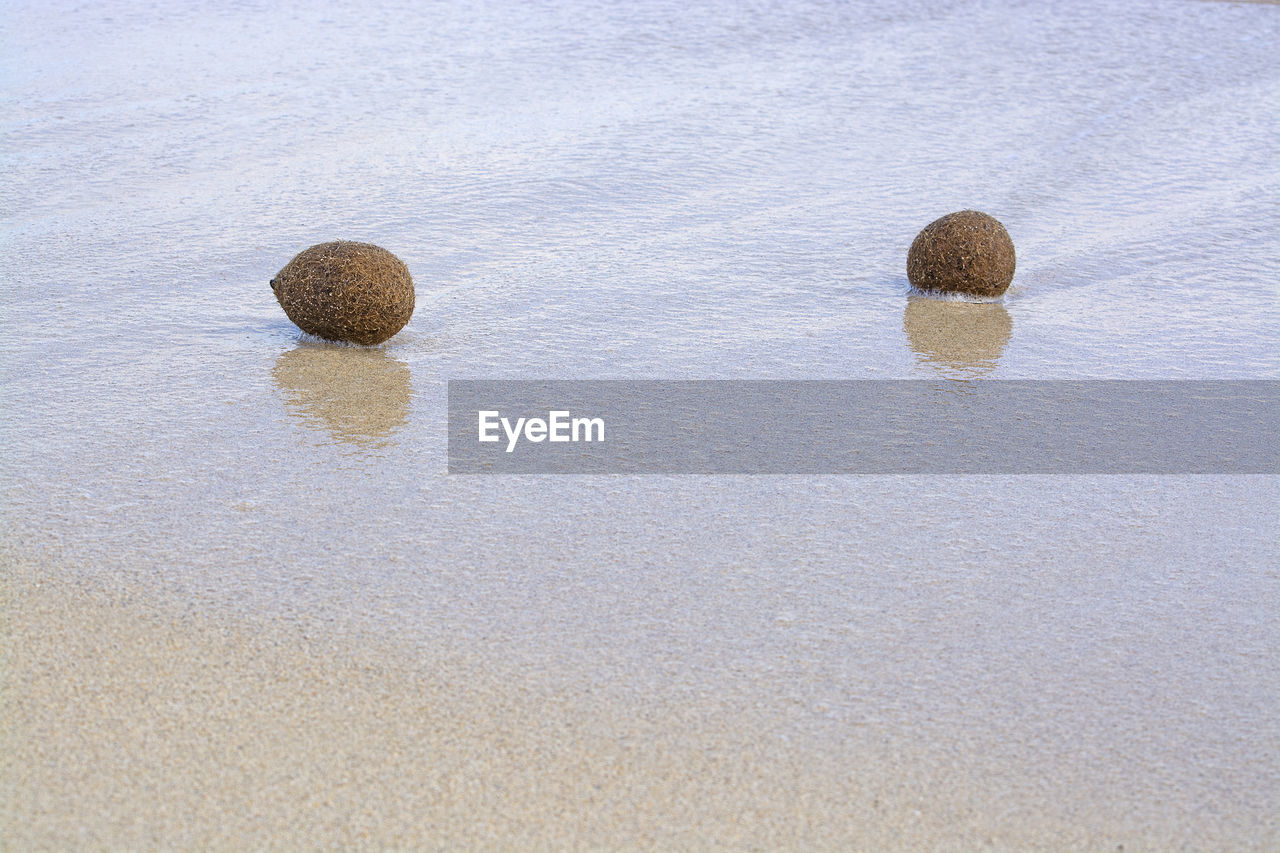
244,605
135,726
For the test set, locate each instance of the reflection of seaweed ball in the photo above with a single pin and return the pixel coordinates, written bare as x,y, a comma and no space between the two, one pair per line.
345,291
960,335
356,395
964,252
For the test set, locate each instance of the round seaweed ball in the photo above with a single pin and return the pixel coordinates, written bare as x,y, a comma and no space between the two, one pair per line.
963,252
346,291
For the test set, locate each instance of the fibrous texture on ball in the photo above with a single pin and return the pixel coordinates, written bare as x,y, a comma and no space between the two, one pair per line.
964,252
346,291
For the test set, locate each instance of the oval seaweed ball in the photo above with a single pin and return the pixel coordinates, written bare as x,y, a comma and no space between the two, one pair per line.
346,291
964,252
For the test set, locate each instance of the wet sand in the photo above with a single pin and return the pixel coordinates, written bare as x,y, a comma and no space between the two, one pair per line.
134,724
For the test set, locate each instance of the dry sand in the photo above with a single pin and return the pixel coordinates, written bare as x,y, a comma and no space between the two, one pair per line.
140,724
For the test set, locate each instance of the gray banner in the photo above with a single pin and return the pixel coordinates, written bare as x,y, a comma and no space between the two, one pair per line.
864,427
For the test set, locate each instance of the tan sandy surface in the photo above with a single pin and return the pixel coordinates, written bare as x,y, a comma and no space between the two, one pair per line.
134,725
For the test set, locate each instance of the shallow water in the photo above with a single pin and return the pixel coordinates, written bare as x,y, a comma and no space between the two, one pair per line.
669,190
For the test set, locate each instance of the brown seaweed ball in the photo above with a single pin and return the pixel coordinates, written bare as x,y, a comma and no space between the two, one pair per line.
346,291
963,252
